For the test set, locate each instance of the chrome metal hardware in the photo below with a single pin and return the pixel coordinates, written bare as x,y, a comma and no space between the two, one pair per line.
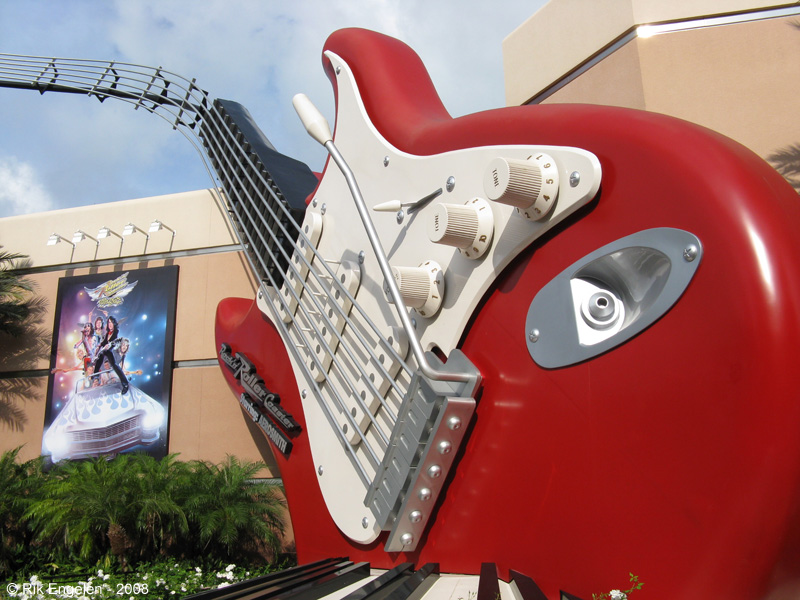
610,295
429,430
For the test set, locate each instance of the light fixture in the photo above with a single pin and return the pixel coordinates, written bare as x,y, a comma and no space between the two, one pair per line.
130,228
55,239
80,235
105,232
158,226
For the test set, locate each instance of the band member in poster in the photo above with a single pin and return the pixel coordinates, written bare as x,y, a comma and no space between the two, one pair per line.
89,342
107,345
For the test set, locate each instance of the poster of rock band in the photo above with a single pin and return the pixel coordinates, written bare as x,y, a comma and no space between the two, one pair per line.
111,364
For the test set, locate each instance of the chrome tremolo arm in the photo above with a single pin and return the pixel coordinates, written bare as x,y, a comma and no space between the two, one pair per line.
318,128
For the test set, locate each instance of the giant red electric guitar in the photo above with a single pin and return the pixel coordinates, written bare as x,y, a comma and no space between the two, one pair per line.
599,374
561,339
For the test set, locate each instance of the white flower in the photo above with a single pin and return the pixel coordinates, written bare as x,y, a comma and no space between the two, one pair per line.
198,569
223,584
230,568
617,595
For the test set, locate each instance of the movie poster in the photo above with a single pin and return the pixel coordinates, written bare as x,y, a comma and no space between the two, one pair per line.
111,364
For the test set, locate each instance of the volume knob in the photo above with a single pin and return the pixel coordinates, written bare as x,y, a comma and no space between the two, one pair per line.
468,227
421,287
529,185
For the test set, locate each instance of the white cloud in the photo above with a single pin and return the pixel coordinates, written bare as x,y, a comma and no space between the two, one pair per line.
258,53
20,190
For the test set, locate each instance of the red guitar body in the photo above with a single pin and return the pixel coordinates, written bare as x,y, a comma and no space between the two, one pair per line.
674,456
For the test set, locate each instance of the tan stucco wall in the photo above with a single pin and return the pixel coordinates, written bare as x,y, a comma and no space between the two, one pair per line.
198,218
742,80
564,34
206,421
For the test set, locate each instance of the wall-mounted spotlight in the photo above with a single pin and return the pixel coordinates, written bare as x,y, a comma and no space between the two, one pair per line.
106,232
130,229
158,226
56,239
79,236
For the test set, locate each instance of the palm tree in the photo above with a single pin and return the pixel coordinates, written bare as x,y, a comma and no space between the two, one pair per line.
19,484
156,504
14,294
85,504
22,342
787,162
231,512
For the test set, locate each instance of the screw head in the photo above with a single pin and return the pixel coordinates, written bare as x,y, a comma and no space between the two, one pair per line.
454,423
400,216
424,494
444,447
365,522
574,179
434,471
361,256
385,161
533,335
690,253
415,516
451,183
324,208
319,470
338,70
406,539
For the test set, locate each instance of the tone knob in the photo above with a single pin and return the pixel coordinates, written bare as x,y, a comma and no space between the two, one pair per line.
529,185
422,287
468,227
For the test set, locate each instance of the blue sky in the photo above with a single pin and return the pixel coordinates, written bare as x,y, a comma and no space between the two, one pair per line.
59,151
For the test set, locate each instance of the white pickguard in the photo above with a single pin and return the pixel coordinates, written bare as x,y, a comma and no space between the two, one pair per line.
384,174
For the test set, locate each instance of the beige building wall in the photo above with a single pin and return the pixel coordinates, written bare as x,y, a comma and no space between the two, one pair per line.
206,421
732,65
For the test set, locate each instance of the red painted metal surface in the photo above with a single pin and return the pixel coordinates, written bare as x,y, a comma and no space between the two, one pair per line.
675,456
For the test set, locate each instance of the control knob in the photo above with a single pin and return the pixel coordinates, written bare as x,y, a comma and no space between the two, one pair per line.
468,227
422,287
531,186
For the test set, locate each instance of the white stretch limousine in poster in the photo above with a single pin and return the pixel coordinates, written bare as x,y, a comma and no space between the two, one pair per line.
111,364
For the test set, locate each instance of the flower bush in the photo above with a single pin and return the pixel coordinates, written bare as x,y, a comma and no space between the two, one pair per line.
619,594
160,580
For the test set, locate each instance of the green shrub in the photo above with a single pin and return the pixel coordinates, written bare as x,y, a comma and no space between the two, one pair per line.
19,486
134,509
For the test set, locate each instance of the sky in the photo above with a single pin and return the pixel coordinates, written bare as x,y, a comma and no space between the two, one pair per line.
61,150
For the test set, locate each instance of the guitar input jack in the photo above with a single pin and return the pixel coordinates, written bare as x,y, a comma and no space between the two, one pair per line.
601,310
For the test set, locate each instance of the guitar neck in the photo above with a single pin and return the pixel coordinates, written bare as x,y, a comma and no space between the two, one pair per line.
265,190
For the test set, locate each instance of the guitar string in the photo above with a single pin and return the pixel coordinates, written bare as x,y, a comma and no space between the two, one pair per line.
300,298
164,101
159,73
